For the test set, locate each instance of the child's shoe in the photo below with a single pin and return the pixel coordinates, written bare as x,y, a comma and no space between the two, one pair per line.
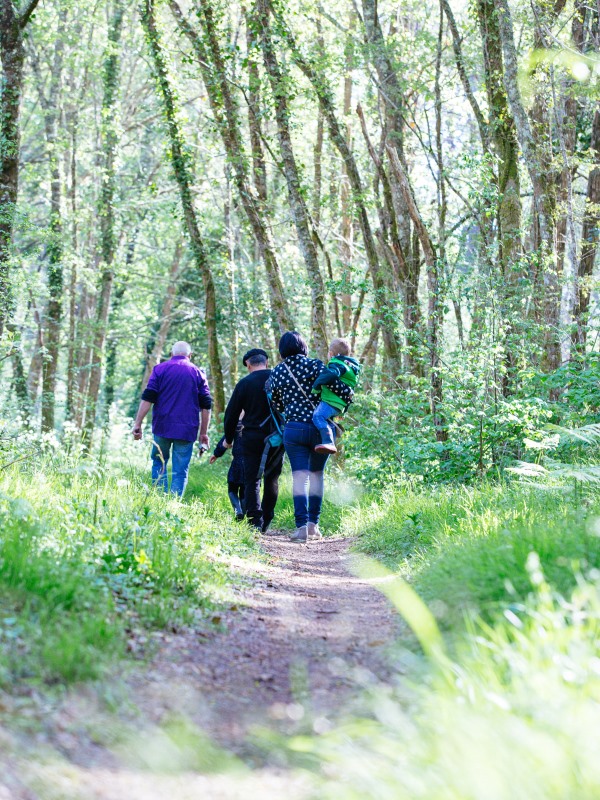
325,448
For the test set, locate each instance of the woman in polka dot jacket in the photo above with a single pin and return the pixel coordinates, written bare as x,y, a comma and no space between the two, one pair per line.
290,385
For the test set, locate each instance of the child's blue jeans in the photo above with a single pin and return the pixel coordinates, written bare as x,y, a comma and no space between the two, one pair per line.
323,413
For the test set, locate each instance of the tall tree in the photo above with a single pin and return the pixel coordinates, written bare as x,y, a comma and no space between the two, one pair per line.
12,53
279,80
385,306
106,215
211,61
54,252
590,235
182,169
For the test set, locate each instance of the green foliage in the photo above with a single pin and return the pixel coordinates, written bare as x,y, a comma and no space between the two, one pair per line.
467,547
514,718
88,557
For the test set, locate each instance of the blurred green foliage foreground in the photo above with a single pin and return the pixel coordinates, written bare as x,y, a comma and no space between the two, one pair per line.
501,695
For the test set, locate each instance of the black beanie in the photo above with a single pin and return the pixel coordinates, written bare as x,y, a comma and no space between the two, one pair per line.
256,351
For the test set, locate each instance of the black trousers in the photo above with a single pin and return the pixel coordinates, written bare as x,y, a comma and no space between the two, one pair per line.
260,513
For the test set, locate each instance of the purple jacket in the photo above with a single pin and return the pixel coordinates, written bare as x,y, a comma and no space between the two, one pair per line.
178,390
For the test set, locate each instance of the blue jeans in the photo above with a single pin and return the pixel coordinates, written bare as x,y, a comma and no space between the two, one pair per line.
299,440
323,413
182,455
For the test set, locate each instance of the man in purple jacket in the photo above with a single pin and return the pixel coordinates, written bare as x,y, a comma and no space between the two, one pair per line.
182,403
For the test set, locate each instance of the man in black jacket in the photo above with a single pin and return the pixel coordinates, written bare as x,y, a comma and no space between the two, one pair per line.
250,397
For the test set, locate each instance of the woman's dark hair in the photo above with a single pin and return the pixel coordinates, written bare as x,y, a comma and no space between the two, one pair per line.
291,343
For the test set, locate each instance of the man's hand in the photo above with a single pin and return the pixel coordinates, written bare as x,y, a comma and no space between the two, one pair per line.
204,440
137,431
212,459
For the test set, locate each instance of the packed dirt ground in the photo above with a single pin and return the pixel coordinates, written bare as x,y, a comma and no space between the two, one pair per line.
206,716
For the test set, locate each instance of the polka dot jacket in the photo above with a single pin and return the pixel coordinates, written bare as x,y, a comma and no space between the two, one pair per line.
286,395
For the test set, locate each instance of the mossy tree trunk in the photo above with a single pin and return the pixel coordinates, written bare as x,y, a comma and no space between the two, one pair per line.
182,169
106,215
12,54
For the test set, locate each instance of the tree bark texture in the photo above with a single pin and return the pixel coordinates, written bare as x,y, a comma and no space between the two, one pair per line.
12,54
535,140
106,215
279,80
435,305
182,169
590,234
54,250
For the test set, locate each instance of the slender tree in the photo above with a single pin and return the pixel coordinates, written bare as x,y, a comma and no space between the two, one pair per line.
182,169
54,252
12,53
106,215
211,62
279,80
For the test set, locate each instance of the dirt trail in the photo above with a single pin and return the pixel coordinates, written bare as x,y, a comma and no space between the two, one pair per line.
294,653
309,634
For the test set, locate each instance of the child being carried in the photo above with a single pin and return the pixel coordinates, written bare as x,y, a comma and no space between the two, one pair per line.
343,366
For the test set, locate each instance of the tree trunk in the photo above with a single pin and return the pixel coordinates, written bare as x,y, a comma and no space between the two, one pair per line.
111,76
12,54
226,113
347,225
405,271
535,142
54,252
165,317
182,169
279,81
590,234
392,97
112,338
384,304
435,304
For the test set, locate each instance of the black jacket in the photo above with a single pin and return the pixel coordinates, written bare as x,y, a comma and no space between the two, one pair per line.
250,397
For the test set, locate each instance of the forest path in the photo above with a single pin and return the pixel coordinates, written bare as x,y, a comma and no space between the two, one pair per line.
305,637
293,654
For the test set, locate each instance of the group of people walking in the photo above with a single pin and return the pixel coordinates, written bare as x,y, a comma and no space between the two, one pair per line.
286,410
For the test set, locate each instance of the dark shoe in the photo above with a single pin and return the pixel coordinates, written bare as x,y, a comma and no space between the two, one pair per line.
325,448
240,516
300,535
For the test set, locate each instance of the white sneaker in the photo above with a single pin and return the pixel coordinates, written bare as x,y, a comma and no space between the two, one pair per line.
313,531
300,535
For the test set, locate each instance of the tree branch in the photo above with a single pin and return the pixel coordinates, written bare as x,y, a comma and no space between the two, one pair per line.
25,15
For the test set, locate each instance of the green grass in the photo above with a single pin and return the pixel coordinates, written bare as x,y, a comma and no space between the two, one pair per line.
465,548
87,556
514,717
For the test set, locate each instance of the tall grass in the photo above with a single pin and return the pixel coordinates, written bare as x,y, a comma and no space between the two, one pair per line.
465,548
87,556
514,717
